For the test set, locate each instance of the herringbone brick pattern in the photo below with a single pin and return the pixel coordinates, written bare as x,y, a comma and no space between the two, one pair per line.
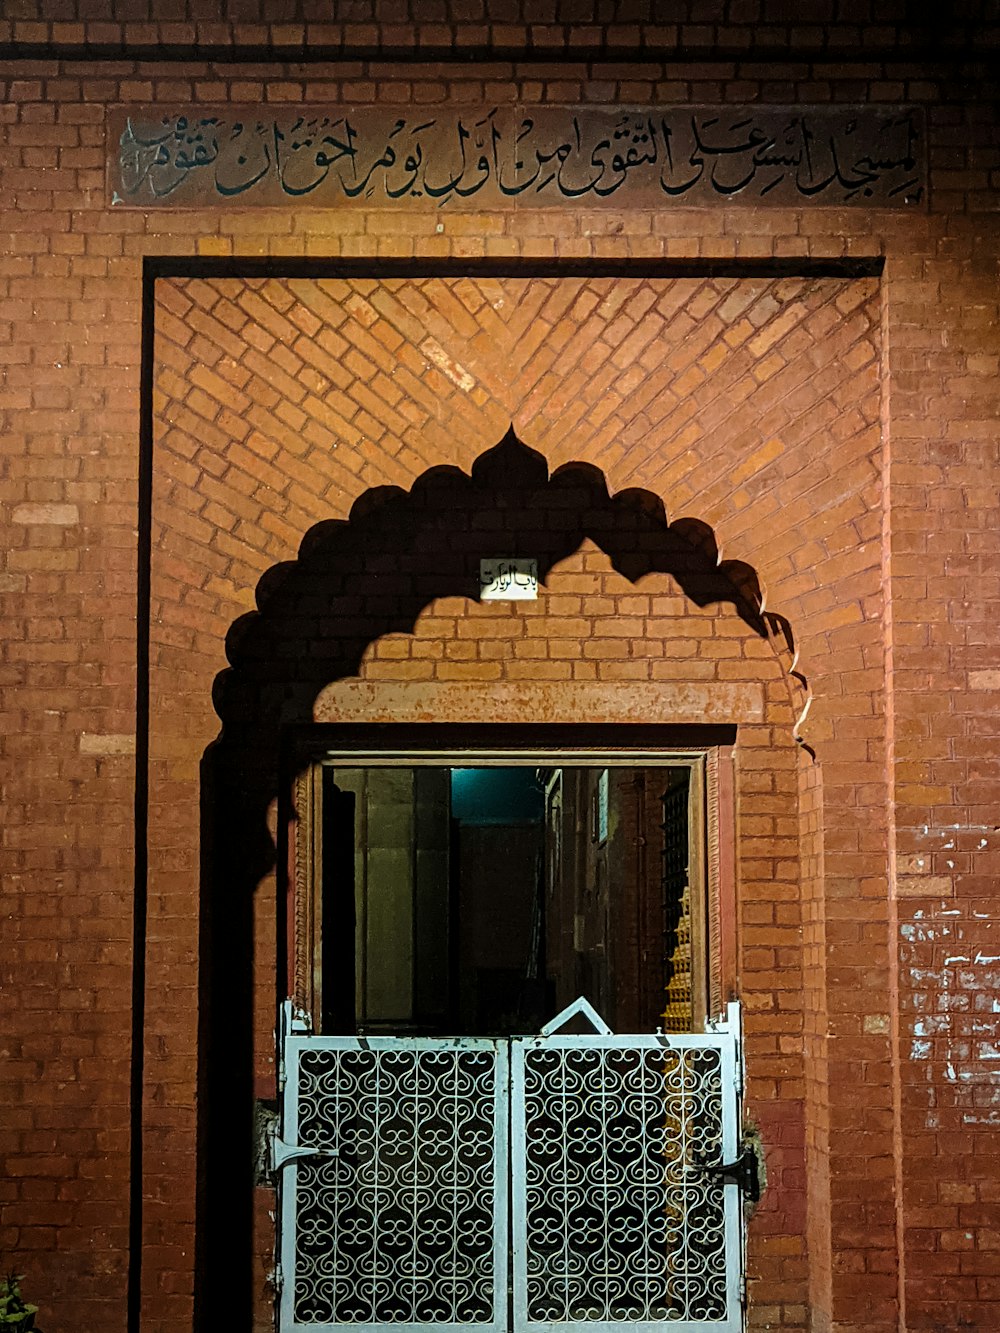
740,402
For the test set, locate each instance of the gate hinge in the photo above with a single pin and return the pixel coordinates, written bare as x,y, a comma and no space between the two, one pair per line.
277,1279
744,1172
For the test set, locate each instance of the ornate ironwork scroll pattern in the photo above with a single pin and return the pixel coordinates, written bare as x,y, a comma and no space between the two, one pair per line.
621,1223
399,1228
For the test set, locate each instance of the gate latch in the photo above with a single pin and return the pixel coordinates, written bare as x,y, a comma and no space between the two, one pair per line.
744,1172
283,1153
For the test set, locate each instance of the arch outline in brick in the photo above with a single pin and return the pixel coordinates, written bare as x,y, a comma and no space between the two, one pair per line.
630,526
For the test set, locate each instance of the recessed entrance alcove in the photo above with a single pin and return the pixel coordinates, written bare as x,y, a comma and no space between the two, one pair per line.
343,453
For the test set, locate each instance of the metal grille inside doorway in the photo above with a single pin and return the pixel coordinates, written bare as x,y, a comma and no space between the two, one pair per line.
401,1227
406,1157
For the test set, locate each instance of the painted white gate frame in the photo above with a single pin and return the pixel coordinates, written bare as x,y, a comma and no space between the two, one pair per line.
549,1184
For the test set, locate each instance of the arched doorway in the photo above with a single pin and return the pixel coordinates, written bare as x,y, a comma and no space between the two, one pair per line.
690,646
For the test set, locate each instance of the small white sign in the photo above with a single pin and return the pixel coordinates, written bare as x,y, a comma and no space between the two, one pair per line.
508,580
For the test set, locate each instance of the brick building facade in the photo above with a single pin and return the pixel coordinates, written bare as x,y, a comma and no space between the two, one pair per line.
248,445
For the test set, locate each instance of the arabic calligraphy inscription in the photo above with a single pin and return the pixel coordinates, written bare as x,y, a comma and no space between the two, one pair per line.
509,157
508,580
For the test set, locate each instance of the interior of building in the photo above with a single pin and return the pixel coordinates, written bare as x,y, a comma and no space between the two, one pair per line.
482,900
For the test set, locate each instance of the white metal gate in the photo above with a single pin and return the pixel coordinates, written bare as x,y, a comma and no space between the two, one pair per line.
397,1156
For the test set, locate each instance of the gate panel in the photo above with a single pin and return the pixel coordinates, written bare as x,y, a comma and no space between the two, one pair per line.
407,1224
614,1218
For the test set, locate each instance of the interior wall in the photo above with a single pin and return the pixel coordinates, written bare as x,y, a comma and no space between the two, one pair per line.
496,891
400,847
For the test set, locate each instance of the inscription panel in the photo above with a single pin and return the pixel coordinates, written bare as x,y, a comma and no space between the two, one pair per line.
513,157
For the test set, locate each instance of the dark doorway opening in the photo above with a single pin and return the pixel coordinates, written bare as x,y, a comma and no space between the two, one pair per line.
479,899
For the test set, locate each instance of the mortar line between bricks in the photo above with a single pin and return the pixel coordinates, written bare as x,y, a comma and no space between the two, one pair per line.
307,53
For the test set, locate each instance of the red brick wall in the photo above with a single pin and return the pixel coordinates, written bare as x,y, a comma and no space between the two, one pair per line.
442,28
837,435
